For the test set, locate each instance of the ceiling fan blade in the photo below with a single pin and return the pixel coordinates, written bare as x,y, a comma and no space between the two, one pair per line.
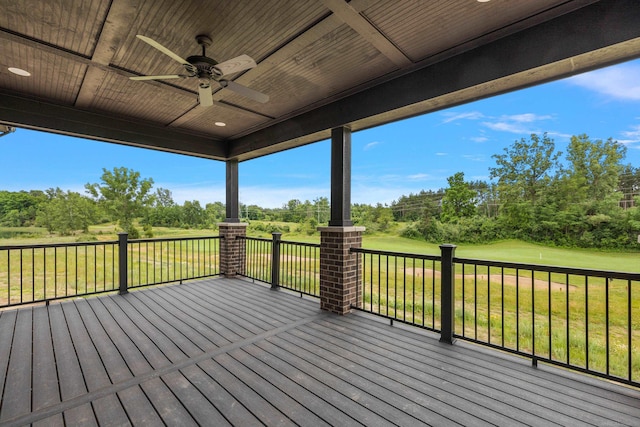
162,49
234,65
244,91
165,77
204,95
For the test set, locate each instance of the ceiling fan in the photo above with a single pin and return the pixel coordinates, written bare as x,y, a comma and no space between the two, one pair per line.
207,70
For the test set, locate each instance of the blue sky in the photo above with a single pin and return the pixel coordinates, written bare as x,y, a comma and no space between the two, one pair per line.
388,161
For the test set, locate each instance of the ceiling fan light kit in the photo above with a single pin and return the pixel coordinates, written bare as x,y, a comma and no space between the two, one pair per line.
206,70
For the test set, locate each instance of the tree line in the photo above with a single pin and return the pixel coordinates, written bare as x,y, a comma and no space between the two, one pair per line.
586,197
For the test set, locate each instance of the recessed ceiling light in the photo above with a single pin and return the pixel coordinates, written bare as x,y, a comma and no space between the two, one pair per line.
19,71
220,124
484,1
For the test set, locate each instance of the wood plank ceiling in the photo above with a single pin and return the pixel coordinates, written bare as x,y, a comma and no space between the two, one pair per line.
322,63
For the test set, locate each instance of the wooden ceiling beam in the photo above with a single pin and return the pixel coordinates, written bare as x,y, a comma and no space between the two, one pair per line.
346,13
121,15
38,115
594,36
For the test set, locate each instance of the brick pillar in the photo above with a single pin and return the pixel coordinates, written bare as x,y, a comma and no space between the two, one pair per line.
232,249
340,283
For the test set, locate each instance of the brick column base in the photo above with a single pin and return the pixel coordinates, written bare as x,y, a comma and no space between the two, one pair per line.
232,249
340,285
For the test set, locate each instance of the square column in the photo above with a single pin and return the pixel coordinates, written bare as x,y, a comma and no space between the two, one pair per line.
341,177
232,248
340,280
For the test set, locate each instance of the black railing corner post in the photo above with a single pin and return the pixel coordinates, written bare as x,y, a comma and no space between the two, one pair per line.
122,262
275,260
447,293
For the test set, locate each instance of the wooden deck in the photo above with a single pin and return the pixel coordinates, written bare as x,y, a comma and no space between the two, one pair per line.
228,352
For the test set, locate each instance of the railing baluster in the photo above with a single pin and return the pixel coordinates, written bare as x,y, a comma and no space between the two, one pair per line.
606,323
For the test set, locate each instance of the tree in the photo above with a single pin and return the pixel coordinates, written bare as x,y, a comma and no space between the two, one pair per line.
322,210
595,167
459,199
124,196
525,169
19,208
193,215
66,212
165,212
216,212
415,206
629,185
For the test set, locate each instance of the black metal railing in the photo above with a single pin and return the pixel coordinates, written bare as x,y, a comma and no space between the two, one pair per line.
289,265
158,261
36,273
400,286
258,259
585,320
299,268
45,272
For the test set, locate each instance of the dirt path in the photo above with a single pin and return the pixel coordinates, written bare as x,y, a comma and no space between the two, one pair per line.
510,280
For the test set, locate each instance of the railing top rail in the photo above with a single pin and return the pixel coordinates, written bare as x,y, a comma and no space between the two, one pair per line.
290,242
171,239
552,269
259,239
58,245
399,254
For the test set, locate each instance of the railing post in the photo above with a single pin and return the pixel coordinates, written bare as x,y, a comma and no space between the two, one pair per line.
447,293
122,262
275,260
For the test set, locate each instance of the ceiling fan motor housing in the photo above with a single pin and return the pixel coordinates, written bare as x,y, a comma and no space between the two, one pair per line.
204,66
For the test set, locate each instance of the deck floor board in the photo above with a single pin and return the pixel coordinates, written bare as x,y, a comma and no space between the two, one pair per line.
45,378
474,390
16,399
230,352
487,370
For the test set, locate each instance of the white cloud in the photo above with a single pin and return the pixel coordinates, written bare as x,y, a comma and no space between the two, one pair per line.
517,123
559,135
527,118
474,157
618,82
479,139
442,154
453,116
633,135
509,127
419,177
370,145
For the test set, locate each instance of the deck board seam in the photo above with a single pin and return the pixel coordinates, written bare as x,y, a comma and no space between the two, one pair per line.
137,380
